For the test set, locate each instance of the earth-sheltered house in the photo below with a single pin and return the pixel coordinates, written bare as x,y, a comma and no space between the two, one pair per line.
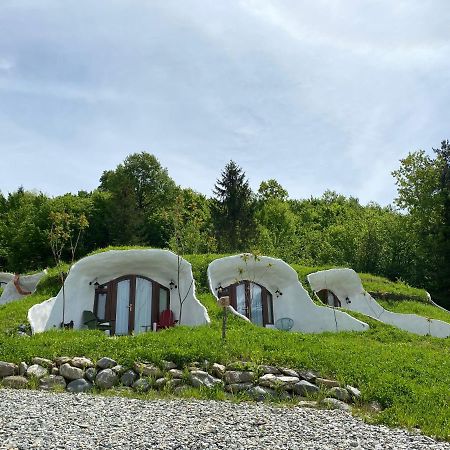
343,288
128,290
267,292
11,292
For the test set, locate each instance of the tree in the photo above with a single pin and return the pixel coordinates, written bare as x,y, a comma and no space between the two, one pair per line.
272,190
233,209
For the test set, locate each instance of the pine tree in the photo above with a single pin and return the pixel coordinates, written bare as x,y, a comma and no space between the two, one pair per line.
233,209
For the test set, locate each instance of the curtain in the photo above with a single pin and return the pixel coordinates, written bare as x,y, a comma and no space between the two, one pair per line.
143,306
122,310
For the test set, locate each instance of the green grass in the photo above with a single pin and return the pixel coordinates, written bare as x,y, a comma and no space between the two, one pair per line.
408,374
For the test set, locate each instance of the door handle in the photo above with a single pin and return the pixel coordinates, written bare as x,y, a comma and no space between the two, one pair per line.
130,307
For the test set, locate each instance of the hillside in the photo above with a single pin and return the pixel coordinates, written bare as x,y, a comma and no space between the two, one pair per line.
408,374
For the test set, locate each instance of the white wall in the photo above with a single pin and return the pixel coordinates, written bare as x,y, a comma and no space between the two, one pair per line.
159,265
295,302
345,283
28,283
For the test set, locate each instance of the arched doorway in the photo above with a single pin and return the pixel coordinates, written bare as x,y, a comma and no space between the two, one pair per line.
329,298
132,303
252,300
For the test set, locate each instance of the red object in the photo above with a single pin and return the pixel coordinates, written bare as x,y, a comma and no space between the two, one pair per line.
166,320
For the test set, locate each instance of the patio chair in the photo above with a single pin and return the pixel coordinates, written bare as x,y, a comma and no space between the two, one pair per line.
166,320
284,324
94,323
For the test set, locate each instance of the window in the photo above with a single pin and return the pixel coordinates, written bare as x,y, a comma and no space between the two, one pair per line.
132,303
329,298
252,301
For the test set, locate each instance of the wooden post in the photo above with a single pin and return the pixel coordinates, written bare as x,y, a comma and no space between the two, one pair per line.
224,302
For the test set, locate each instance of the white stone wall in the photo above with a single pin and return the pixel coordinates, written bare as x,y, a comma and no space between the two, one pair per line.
159,265
345,283
28,283
295,303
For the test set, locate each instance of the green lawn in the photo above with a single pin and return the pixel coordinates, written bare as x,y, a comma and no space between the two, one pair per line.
408,374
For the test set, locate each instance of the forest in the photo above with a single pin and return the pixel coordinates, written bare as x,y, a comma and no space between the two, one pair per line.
138,203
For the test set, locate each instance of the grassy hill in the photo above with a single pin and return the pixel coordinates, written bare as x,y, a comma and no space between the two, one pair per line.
408,374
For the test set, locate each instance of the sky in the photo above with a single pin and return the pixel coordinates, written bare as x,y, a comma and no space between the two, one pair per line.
323,94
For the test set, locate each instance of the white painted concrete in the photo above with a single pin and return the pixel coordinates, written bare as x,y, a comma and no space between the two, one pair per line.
295,303
159,265
27,282
346,284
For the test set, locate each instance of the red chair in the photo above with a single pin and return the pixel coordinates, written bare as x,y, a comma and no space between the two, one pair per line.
166,320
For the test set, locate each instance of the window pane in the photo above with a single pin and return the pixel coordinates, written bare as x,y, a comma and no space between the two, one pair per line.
240,299
163,299
122,309
256,304
101,306
143,306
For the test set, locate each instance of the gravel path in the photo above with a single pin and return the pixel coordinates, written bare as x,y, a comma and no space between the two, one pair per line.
39,420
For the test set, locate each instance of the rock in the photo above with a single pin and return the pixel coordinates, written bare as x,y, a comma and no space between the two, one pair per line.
281,381
200,378
334,403
288,372
238,387
15,382
119,370
268,380
79,385
307,375
218,370
7,369
106,379
71,373
55,371
176,373
160,383
23,366
60,360
374,407
180,389
47,363
175,382
106,363
128,378
340,393
268,369
148,370
36,371
305,388
261,393
354,392
90,374
234,376
51,382
168,365
141,385
81,362
324,382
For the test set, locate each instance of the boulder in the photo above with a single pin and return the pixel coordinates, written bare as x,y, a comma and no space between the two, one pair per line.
168,365
51,382
340,393
79,385
235,376
81,362
23,366
218,370
119,370
238,387
264,369
7,369
106,379
106,363
175,382
324,382
176,373
334,403
160,383
128,378
90,374
281,381
141,385
200,378
305,388
15,382
354,392
148,370
60,360
71,373
288,372
307,375
36,371
260,393
55,371
180,389
47,363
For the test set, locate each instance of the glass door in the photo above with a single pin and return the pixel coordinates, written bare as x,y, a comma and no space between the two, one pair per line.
143,305
123,307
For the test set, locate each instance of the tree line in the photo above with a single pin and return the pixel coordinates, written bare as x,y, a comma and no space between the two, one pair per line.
138,203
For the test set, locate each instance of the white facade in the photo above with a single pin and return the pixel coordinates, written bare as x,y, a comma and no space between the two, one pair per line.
27,282
160,266
293,303
347,286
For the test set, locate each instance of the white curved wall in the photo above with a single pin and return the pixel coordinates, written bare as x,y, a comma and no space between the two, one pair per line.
159,265
345,283
28,282
295,302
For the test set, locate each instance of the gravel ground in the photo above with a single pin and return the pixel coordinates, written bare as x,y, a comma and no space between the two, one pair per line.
39,420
